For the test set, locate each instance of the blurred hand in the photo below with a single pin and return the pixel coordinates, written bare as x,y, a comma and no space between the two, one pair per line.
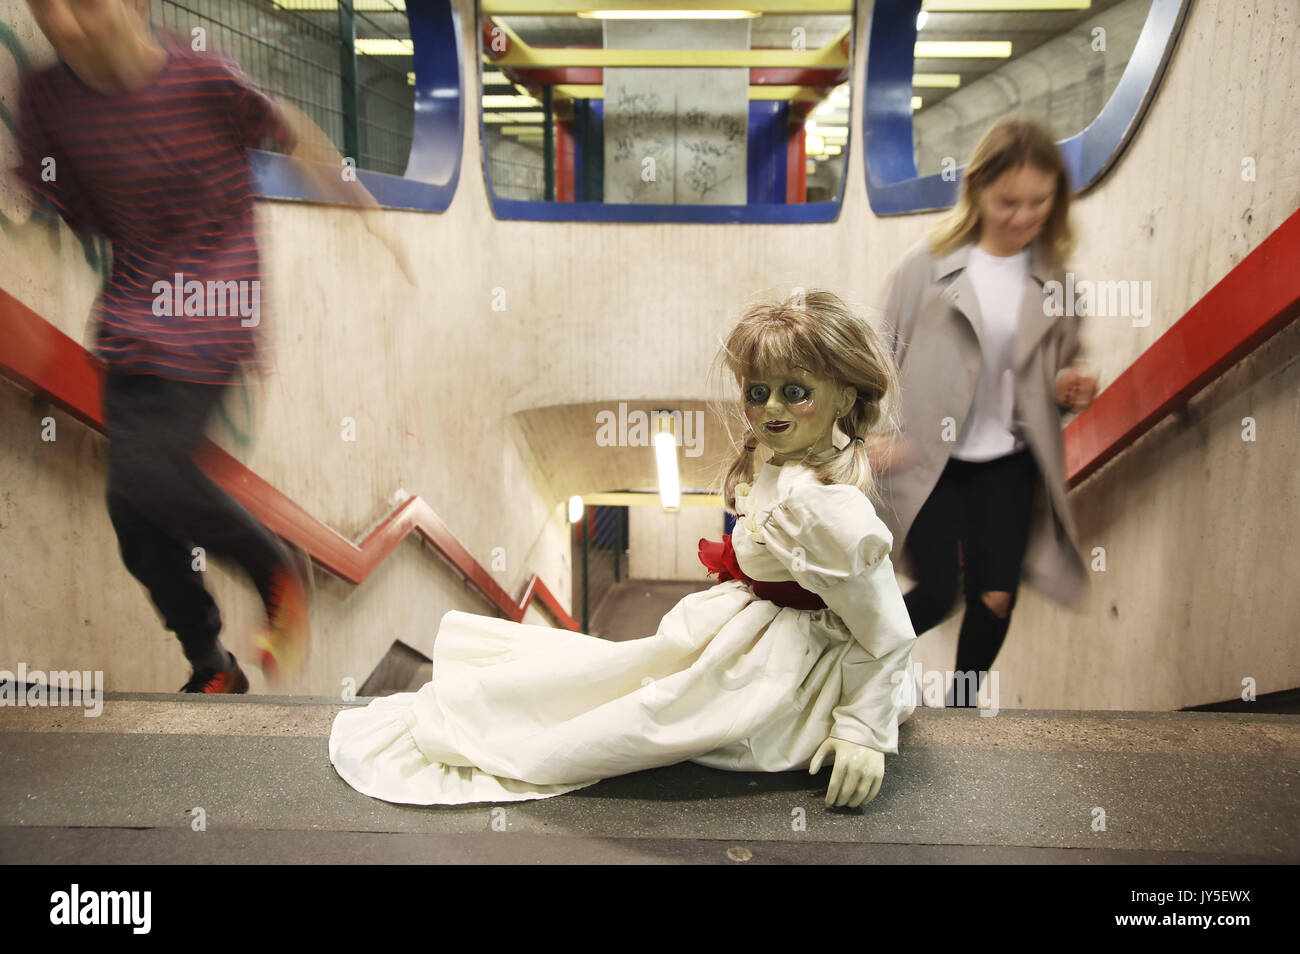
1075,390
858,773
887,453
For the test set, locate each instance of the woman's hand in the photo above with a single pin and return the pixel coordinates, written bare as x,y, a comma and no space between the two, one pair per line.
858,772
1075,390
888,452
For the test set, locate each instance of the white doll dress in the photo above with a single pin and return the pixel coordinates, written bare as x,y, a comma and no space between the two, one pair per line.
516,711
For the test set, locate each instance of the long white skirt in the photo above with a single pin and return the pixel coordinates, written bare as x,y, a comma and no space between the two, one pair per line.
516,711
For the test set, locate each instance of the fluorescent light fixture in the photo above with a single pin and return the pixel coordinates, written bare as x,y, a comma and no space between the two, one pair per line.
959,49
936,80
366,6
668,14
495,78
814,145
916,103
994,6
514,117
834,150
575,509
920,20
378,46
670,486
492,101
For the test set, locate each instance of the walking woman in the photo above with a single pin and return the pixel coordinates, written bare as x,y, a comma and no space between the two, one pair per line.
976,485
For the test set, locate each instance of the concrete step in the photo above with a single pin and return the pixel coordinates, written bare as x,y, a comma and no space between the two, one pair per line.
1021,787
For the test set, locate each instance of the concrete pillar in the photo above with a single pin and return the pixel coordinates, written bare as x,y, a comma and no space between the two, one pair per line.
676,136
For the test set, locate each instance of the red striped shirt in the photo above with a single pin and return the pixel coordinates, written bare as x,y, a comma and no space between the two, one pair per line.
162,172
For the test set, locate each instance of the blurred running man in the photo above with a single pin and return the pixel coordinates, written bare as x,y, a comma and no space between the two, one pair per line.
144,140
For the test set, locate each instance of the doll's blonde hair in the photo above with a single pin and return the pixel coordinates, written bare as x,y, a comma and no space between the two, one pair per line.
817,331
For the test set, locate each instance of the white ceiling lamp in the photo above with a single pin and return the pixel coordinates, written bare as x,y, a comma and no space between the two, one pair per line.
670,485
575,509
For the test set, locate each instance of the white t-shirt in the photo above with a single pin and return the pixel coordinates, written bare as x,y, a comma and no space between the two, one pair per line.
990,430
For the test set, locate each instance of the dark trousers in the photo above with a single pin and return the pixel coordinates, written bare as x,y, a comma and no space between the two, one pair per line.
162,506
974,523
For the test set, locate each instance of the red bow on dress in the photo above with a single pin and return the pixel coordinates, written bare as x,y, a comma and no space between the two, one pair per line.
720,558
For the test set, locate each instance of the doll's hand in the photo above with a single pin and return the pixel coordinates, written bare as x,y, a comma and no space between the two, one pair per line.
1075,391
858,772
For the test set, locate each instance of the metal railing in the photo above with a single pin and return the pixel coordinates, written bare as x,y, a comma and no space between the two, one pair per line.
317,60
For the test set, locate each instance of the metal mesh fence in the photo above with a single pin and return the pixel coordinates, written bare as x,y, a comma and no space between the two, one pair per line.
339,68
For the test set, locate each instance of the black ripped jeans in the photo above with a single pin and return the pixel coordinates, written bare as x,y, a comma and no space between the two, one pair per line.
162,506
983,508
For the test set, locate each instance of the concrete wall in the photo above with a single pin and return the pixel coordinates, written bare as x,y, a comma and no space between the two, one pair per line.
665,546
1197,524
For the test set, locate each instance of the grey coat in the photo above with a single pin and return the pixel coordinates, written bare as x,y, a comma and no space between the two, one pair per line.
932,323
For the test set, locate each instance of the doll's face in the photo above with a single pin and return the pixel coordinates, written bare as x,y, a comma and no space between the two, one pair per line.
793,411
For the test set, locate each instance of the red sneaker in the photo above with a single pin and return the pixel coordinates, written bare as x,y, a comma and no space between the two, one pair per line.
233,681
283,644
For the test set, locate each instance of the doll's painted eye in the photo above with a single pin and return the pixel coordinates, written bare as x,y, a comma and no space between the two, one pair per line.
758,394
795,394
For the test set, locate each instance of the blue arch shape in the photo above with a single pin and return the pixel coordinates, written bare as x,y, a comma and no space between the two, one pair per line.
437,131
893,187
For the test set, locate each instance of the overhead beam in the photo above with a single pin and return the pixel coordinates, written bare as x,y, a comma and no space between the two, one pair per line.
834,55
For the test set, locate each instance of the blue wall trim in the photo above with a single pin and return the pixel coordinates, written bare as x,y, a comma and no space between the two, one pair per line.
437,132
893,186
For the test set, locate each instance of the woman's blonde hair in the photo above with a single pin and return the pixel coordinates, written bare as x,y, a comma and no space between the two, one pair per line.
817,331
1008,145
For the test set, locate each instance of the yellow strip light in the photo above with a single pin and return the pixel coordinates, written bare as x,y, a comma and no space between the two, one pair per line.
961,49
668,14
994,6
321,6
936,80
376,46
514,117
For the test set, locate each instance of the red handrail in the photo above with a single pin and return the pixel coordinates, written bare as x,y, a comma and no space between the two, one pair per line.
37,356
1253,302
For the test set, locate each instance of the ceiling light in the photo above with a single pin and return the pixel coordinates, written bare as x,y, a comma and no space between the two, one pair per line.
670,487
961,49
668,14
492,101
378,46
994,6
936,80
